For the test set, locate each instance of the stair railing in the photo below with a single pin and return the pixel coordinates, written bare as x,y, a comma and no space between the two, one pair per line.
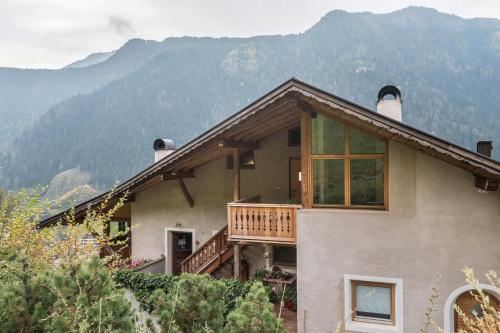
211,250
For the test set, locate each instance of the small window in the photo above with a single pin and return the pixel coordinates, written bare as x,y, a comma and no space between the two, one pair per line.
247,161
285,255
118,230
373,302
294,137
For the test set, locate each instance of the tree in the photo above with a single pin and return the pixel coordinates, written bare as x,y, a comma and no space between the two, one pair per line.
51,281
195,305
253,314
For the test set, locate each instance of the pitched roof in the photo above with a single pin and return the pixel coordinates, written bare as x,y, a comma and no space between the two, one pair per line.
313,97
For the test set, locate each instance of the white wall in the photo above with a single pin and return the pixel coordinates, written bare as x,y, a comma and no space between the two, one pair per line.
164,205
437,223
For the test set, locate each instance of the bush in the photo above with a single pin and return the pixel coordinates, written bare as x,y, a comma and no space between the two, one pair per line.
196,304
143,285
254,313
77,297
50,281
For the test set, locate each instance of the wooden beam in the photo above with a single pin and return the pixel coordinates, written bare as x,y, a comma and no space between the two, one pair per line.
177,175
236,261
130,198
185,191
305,159
238,144
236,175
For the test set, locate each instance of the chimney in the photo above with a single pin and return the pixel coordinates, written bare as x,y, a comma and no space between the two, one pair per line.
484,148
482,183
390,107
162,148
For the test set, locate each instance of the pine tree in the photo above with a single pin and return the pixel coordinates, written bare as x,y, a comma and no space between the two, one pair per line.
77,297
82,297
194,305
253,314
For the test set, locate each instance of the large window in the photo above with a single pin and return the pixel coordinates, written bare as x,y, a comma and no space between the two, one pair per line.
348,165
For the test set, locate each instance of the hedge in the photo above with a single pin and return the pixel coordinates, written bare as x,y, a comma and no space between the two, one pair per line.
144,284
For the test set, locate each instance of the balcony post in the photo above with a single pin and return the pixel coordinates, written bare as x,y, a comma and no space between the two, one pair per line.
236,174
237,261
268,252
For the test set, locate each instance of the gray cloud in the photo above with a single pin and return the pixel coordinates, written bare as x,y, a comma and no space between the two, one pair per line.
120,25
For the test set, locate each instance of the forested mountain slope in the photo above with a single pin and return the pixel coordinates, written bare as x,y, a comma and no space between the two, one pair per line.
26,94
448,69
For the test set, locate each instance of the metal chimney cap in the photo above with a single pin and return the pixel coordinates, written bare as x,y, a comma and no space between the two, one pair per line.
389,90
163,144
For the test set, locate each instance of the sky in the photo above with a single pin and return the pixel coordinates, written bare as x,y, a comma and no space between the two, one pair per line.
54,33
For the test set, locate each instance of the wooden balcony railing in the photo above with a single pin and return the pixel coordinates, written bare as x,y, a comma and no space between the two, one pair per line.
210,255
259,222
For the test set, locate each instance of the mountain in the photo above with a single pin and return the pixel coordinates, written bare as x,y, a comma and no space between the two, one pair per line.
26,94
448,69
93,59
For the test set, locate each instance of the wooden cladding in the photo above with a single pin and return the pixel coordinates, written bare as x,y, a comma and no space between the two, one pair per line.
210,254
255,222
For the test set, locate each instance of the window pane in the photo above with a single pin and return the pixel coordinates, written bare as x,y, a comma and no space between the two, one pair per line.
367,182
285,255
327,135
328,182
373,302
362,143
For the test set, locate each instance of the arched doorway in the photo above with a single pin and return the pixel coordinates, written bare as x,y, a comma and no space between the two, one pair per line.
464,298
468,304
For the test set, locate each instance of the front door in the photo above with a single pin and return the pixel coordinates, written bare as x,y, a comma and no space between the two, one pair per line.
294,181
181,249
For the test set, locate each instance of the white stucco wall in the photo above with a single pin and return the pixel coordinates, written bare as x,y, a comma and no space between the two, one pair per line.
164,205
437,223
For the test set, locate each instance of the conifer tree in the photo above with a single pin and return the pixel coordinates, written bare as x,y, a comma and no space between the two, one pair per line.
195,305
253,314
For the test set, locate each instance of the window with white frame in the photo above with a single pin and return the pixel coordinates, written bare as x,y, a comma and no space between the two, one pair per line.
373,304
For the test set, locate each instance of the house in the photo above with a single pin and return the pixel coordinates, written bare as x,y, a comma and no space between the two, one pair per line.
364,209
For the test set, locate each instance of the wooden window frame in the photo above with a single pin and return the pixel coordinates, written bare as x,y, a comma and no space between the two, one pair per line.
308,157
392,288
243,156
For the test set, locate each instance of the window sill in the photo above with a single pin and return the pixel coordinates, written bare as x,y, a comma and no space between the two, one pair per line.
345,210
357,326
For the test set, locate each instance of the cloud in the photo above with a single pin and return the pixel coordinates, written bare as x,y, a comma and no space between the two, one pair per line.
120,25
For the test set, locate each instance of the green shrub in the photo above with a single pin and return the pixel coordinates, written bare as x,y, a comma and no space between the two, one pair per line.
196,304
79,296
254,313
143,285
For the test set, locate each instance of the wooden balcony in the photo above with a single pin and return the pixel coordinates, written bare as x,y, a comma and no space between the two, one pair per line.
261,222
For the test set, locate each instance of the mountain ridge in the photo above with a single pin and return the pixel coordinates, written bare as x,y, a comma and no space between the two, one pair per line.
447,68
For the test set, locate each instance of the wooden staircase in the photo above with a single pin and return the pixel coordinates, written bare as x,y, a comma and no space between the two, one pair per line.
210,256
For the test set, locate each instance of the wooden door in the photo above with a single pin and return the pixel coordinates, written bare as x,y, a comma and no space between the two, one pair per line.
181,249
468,303
295,190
